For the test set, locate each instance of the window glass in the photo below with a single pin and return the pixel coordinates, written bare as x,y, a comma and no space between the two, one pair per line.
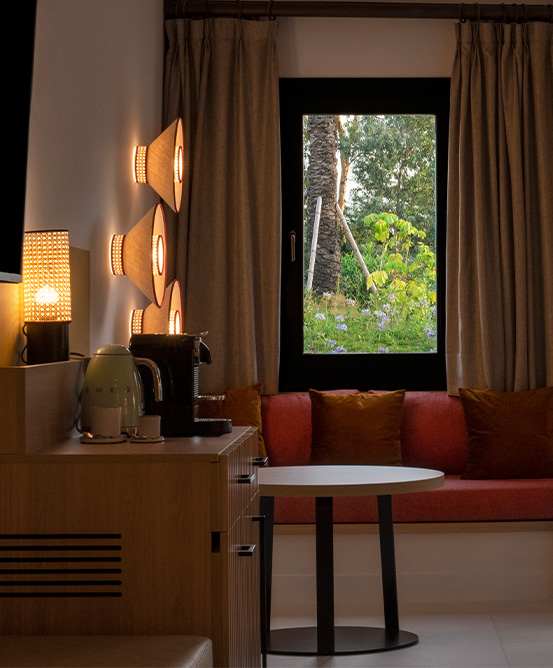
364,178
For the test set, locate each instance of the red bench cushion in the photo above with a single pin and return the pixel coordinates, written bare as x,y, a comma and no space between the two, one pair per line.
458,501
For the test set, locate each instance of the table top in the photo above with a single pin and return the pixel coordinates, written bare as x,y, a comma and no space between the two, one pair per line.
309,481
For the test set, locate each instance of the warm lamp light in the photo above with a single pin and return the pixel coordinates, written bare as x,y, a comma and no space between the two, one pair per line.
161,164
141,255
46,295
164,320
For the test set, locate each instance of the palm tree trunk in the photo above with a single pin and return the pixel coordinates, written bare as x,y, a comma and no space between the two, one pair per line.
322,174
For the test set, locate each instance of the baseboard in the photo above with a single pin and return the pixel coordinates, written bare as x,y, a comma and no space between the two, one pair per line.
424,527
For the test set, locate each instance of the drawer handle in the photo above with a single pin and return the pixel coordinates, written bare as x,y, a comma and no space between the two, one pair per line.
246,478
246,550
260,461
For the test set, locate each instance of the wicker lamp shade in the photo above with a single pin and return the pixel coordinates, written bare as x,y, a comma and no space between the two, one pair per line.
166,319
161,164
141,255
46,276
46,295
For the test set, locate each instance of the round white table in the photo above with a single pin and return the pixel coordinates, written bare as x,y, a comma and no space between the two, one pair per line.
324,483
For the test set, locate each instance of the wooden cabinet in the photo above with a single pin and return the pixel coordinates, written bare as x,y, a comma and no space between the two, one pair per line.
157,539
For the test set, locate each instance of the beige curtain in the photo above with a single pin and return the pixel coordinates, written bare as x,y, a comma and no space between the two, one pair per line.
500,209
224,246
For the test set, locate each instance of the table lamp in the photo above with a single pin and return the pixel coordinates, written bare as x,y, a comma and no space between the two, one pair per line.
46,295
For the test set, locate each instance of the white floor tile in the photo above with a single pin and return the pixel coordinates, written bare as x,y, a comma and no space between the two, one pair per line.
529,655
467,634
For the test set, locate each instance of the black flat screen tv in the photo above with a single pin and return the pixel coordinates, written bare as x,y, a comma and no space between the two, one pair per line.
18,76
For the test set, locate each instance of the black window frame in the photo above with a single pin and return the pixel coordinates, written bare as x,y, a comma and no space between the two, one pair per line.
300,371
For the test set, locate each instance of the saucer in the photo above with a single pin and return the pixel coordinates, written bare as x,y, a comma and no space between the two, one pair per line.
147,439
103,439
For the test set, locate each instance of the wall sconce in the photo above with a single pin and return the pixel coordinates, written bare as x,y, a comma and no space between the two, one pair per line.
161,164
140,255
164,320
46,295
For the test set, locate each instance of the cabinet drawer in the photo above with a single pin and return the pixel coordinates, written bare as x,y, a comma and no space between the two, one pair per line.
240,599
239,475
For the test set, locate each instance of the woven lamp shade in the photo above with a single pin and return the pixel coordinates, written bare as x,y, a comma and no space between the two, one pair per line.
141,255
161,163
166,319
46,276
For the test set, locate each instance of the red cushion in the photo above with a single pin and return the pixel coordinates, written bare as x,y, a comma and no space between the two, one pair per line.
457,501
433,432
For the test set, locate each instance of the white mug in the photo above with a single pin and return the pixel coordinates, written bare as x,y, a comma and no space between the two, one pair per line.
149,426
105,421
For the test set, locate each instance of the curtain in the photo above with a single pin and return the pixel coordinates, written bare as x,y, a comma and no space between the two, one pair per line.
500,209
221,78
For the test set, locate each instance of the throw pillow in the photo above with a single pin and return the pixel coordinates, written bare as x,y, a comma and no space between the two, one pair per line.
242,406
510,434
356,429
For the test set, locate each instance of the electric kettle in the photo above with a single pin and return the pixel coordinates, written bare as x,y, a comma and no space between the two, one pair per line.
112,379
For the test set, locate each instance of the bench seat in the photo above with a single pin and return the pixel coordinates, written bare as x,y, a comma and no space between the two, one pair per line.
457,501
106,652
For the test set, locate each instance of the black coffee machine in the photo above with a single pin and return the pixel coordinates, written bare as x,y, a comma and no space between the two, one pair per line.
178,357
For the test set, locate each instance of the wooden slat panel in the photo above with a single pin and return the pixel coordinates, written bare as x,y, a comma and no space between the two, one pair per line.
38,405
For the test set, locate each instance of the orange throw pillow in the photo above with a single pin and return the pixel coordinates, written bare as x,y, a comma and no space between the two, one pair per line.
356,429
242,406
510,434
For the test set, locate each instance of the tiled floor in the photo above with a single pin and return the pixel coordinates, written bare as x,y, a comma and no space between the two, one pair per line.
451,635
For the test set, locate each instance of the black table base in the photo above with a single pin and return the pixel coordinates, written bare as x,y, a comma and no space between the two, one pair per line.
325,638
347,640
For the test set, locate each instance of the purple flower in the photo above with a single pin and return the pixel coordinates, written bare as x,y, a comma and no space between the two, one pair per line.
342,326
339,318
339,349
320,316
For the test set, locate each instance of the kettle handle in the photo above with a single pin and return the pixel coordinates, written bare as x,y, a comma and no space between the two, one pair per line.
145,361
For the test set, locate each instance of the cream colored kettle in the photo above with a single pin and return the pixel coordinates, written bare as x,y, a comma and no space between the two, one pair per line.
112,379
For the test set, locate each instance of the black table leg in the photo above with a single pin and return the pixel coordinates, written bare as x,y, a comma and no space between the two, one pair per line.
324,546
388,561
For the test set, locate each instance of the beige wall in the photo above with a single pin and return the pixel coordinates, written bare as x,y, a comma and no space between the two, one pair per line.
97,91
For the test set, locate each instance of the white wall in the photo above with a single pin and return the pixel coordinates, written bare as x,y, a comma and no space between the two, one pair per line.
317,47
320,47
97,91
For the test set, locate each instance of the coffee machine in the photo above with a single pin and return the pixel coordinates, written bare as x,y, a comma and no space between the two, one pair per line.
178,357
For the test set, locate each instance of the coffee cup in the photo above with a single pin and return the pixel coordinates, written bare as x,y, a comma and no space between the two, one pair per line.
105,421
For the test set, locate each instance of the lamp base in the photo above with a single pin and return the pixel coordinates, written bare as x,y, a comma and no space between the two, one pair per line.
47,342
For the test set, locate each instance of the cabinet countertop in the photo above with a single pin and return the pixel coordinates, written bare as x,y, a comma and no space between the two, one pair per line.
197,448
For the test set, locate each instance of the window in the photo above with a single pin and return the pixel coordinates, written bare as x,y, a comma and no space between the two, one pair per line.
363,305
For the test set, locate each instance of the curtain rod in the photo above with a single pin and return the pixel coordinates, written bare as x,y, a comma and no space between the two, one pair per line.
335,9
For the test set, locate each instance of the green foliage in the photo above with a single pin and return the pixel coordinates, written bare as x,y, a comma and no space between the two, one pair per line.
394,164
393,310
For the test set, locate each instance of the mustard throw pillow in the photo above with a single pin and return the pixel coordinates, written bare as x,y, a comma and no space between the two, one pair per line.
510,434
242,406
358,429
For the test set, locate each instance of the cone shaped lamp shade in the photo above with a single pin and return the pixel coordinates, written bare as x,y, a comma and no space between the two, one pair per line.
141,255
46,295
161,163
164,320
